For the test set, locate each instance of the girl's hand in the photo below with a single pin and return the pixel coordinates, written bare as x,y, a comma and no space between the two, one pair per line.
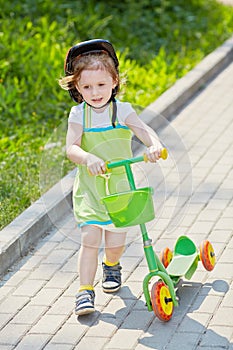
153,152
95,165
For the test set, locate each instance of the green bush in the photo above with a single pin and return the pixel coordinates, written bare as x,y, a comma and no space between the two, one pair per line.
158,41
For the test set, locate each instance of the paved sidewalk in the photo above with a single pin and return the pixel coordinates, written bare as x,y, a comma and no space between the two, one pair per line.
193,196
227,2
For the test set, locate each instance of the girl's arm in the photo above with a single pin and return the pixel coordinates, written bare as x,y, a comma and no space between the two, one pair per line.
145,134
77,155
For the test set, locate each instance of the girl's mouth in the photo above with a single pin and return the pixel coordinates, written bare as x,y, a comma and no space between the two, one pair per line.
98,103
97,100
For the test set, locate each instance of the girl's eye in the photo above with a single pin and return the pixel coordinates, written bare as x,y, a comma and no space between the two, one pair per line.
86,87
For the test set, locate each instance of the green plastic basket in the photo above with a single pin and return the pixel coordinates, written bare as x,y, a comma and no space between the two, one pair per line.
130,208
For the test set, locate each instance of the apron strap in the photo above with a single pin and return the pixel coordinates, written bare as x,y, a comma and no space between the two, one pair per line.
87,114
114,112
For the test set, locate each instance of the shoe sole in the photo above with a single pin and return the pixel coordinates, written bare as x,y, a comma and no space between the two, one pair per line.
112,290
84,311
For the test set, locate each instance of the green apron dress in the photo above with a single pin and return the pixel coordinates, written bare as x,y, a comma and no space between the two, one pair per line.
108,143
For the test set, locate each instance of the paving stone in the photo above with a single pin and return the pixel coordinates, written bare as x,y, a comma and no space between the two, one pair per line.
33,341
222,271
48,324
15,279
61,280
124,339
69,334
44,272
31,261
138,274
92,342
45,247
102,327
183,341
12,333
118,309
201,227
194,323
4,291
58,256
223,316
227,300
29,314
13,304
227,256
29,288
63,306
6,347
4,319
209,305
157,336
46,296
57,346
131,290
216,336
220,236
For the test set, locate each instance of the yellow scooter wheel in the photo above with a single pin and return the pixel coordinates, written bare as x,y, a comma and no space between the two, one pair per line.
166,257
162,303
207,255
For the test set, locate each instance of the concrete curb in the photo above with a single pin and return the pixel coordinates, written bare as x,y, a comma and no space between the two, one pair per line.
17,238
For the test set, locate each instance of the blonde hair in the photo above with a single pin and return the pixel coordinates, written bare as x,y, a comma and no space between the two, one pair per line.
90,61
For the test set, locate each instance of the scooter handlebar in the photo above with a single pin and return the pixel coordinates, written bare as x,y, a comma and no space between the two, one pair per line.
144,158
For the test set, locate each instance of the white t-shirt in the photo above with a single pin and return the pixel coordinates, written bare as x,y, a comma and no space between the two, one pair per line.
102,119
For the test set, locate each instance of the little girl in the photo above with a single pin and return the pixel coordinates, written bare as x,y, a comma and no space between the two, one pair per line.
99,129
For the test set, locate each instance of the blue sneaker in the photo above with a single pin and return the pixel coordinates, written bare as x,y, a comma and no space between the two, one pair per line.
85,302
111,278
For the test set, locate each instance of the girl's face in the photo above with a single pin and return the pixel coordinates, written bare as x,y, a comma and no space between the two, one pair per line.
96,87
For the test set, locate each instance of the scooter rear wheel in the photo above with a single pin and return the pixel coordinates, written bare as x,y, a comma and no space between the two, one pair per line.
162,303
207,255
166,257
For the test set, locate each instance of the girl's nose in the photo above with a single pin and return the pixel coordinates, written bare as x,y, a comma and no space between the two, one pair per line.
94,90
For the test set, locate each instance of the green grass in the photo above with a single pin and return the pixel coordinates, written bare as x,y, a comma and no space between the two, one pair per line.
158,41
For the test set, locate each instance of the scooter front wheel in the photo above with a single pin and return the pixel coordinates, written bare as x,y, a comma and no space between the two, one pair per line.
207,255
162,303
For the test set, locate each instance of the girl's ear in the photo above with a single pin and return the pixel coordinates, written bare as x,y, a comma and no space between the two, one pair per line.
115,83
76,87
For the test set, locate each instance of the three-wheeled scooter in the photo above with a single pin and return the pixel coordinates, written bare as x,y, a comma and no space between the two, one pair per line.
135,207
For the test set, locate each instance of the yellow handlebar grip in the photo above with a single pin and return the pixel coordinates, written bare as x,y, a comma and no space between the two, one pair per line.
106,164
164,153
145,158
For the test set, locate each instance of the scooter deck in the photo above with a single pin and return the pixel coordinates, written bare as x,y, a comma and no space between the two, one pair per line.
180,264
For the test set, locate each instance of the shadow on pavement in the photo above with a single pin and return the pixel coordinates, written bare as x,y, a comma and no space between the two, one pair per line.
186,330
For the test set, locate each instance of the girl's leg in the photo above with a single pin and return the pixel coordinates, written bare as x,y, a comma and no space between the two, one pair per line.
114,247
87,266
88,255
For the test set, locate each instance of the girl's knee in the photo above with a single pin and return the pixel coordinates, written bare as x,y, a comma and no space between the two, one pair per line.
115,241
91,237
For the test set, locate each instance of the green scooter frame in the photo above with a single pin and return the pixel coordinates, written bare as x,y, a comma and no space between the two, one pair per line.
135,207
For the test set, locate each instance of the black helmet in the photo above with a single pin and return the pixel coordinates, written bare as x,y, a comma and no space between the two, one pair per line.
85,47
